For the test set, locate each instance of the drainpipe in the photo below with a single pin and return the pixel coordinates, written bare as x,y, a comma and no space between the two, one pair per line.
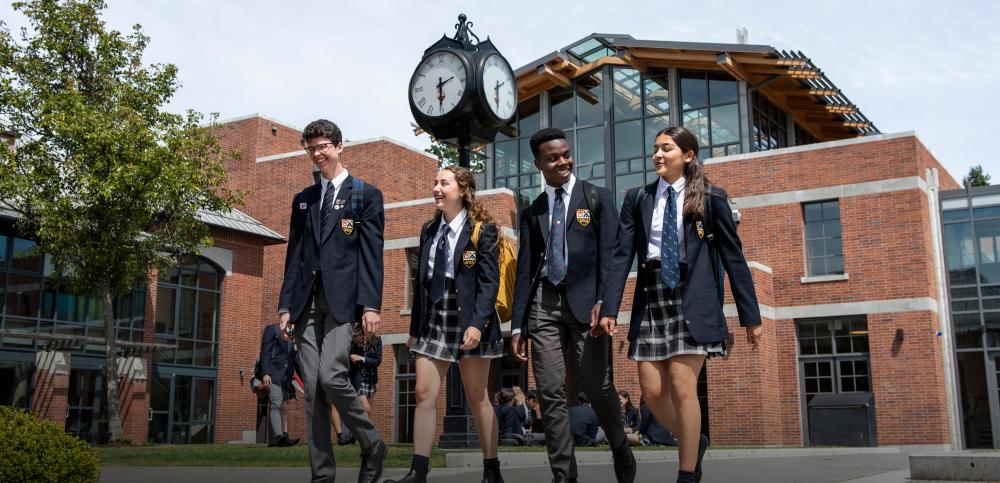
948,355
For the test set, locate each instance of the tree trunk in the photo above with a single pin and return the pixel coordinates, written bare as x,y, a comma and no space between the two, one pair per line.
111,366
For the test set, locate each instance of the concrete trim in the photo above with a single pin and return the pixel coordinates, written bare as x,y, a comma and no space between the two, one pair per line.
824,278
398,243
430,201
917,304
954,204
759,266
219,256
393,339
986,200
831,192
251,116
300,152
811,147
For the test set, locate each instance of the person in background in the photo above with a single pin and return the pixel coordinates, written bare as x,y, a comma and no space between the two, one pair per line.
520,400
630,417
511,431
584,424
366,356
276,367
651,431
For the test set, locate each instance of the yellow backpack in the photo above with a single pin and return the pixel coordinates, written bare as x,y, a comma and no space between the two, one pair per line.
507,259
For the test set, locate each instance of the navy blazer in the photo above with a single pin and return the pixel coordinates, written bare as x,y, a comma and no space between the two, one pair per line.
508,420
275,356
352,254
701,306
367,369
476,284
589,251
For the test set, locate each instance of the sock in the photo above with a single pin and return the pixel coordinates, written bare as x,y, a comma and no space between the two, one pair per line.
685,477
420,464
491,463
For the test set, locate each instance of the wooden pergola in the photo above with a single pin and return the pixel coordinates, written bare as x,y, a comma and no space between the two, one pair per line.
788,79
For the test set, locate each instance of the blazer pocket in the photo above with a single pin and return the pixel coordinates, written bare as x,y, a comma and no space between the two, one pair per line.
705,305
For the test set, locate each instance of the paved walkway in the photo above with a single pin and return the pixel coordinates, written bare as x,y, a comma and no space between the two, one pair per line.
855,468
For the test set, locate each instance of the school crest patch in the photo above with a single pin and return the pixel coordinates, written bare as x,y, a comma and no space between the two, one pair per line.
347,225
469,258
583,216
701,230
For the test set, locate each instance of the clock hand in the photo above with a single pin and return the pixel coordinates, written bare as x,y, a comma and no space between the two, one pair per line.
496,92
446,81
440,87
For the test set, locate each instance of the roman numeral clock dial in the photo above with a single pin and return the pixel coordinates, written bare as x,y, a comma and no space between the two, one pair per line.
438,84
499,88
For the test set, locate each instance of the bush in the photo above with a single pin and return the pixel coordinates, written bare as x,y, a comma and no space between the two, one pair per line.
35,450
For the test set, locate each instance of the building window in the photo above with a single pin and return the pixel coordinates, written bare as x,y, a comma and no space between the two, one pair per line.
15,383
579,111
406,393
710,108
803,136
834,356
513,162
769,125
824,250
640,109
187,313
412,272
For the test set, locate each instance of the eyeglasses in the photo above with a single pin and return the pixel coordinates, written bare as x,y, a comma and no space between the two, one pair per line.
318,147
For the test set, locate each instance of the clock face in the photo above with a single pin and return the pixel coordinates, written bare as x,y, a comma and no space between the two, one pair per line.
438,84
498,86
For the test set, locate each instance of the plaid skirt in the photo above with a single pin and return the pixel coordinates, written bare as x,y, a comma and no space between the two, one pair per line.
366,388
441,338
663,332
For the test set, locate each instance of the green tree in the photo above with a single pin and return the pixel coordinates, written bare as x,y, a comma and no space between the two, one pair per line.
447,155
976,177
108,183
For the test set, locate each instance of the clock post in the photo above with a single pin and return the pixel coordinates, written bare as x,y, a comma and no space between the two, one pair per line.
462,92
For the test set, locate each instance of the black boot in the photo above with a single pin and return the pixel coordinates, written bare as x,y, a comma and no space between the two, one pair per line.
419,467
491,471
685,477
702,447
371,463
624,463
290,441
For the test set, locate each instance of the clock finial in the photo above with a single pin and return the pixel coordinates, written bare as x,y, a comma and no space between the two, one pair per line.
462,31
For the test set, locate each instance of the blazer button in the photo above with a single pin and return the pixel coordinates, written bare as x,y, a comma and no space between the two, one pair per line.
460,309
645,289
643,265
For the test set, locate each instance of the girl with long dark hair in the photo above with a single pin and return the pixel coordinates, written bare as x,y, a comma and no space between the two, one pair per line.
682,230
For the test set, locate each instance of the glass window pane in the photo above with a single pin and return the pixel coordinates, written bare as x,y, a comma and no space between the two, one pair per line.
185,352
186,314
561,101
955,215
725,124
165,304
208,278
653,125
831,227
831,210
590,100
208,306
986,212
527,159
992,320
835,264
833,246
625,183
968,330
628,139
24,295
694,92
814,230
815,248
505,157
627,94
813,212
960,253
590,146
988,233
657,96
722,91
26,256
528,121
971,292
697,122
3,252
204,393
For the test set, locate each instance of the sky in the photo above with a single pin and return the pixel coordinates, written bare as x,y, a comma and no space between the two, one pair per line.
926,66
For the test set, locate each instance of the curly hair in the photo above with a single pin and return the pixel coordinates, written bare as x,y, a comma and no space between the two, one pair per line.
467,188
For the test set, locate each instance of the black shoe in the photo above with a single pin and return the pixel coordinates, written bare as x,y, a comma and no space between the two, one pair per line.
624,463
492,475
371,464
702,447
563,480
291,441
278,442
413,476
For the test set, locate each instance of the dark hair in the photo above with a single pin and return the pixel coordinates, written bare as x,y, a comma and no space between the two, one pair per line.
505,396
697,183
543,136
628,400
321,128
530,394
582,397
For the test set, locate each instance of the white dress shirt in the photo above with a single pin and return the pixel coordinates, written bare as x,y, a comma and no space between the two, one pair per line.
456,225
338,181
550,193
659,207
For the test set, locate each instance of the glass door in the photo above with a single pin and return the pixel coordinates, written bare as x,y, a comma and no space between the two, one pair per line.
181,409
994,384
84,404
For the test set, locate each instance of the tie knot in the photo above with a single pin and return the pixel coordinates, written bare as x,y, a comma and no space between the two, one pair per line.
670,190
560,191
446,230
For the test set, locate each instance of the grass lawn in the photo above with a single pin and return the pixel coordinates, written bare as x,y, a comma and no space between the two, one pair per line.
246,455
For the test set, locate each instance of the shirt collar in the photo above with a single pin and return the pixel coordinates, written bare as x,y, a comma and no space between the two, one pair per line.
678,186
337,180
458,222
568,187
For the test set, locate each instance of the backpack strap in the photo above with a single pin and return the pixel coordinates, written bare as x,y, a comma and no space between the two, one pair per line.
592,198
713,251
475,235
356,195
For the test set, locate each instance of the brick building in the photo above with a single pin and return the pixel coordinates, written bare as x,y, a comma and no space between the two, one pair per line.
840,225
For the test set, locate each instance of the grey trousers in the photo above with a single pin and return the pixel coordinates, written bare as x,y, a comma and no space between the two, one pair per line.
277,401
324,364
552,329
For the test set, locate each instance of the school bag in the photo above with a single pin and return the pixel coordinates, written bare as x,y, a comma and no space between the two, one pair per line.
507,259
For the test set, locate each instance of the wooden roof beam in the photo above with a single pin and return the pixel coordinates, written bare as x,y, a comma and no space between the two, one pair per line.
559,79
732,67
824,92
857,124
752,60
